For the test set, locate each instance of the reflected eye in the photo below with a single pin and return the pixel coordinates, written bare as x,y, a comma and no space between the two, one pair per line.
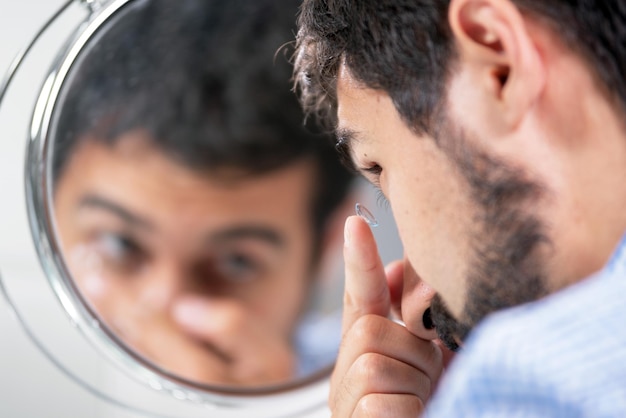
119,251
237,267
117,245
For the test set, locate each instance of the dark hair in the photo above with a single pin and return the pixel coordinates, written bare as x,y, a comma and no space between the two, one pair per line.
405,48
206,80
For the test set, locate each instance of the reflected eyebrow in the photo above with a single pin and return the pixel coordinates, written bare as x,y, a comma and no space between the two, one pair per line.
258,232
345,138
98,202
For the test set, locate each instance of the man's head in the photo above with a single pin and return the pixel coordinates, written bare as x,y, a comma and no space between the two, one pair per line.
182,168
480,121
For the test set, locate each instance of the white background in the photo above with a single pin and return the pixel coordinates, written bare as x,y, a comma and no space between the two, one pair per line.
30,386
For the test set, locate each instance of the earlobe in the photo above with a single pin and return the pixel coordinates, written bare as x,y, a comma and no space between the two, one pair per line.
491,36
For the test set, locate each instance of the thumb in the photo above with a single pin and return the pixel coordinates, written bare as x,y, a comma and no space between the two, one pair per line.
395,282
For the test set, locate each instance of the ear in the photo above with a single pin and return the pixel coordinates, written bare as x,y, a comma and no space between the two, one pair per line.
492,37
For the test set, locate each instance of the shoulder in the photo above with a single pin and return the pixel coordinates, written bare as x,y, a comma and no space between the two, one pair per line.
561,356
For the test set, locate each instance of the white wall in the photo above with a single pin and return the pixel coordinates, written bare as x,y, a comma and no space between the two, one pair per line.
30,385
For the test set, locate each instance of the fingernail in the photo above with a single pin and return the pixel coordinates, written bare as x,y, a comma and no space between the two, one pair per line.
346,232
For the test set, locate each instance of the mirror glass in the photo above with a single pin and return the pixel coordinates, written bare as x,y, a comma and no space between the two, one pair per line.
197,217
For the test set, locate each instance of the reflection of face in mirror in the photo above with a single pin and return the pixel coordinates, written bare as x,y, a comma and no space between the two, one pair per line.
194,209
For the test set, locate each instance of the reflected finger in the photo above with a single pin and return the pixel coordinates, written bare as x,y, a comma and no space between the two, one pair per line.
161,342
223,324
257,352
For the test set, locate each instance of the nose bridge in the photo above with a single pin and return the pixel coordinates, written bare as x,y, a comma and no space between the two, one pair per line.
163,283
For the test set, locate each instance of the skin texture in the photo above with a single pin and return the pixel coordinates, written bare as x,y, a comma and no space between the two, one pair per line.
159,253
510,97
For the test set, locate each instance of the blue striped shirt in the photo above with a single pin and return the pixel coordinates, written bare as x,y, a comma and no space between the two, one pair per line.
563,356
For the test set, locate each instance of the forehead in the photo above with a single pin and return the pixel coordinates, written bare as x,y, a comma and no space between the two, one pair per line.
363,114
152,183
351,95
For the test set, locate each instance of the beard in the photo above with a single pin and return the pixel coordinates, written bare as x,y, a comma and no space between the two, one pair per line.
506,268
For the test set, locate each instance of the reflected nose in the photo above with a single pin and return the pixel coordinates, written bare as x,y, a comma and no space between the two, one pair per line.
416,298
161,286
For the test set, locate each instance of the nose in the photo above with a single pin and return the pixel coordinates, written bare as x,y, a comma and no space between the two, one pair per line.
415,308
160,287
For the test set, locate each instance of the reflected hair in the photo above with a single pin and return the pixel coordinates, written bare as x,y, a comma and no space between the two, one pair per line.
209,82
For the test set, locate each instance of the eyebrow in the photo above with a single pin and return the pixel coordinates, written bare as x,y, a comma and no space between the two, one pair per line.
238,232
222,236
345,138
94,201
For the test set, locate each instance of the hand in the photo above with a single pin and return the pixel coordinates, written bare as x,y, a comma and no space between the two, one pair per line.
382,370
203,339
244,351
210,341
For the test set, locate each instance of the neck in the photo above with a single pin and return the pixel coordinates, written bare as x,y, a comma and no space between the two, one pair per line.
594,186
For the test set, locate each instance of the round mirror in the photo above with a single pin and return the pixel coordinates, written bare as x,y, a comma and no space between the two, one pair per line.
189,221
191,207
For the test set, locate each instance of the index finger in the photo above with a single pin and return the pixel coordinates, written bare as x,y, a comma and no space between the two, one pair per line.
366,291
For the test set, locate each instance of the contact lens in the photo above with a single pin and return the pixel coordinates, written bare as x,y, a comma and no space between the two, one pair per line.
364,213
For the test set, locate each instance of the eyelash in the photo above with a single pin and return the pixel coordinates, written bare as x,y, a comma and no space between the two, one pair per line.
376,170
381,200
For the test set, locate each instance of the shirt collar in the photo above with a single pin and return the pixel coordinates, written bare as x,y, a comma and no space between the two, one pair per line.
617,263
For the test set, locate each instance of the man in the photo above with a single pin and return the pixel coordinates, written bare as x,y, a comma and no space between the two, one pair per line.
495,128
195,225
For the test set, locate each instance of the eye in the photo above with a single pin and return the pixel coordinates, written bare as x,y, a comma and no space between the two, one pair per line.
118,245
119,251
373,173
238,267
374,169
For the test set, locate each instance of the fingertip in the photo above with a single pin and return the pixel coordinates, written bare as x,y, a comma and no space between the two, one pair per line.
365,285
353,228
189,312
360,249
347,230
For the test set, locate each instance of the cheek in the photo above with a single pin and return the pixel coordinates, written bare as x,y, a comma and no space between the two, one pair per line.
421,215
281,297
85,267
421,235
429,210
